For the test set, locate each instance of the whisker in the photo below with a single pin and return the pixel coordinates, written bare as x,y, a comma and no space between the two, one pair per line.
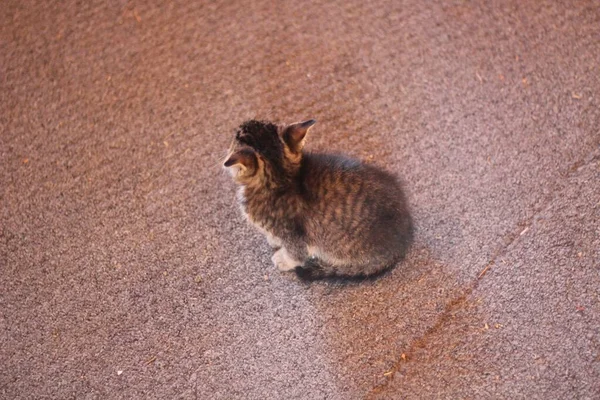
217,160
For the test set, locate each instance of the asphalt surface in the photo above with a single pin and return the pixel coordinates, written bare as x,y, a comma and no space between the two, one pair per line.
127,272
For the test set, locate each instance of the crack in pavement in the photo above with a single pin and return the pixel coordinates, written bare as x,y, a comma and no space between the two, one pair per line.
459,301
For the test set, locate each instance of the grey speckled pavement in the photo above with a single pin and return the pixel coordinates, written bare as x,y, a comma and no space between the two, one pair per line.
127,272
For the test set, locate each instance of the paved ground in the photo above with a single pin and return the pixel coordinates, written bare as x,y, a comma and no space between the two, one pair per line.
127,271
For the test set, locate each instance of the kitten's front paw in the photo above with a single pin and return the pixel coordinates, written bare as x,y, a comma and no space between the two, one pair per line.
273,241
283,261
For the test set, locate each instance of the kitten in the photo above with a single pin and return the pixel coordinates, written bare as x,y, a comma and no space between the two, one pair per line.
328,215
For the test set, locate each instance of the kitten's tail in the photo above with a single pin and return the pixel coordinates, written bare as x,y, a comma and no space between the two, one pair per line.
312,270
315,269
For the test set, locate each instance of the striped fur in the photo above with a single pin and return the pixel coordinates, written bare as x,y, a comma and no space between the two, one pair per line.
332,215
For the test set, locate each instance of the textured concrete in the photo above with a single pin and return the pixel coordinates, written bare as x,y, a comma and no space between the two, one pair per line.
127,271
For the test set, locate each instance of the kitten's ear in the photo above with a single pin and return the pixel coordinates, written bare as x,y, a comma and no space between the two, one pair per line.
294,134
245,159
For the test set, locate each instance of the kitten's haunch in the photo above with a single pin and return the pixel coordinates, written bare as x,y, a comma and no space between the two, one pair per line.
328,215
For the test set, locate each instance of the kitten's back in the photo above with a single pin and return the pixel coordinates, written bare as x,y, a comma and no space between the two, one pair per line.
357,213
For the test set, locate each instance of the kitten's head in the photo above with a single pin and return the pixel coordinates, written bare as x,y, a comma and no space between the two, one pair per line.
266,153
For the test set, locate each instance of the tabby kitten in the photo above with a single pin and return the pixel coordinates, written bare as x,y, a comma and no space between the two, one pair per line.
325,214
